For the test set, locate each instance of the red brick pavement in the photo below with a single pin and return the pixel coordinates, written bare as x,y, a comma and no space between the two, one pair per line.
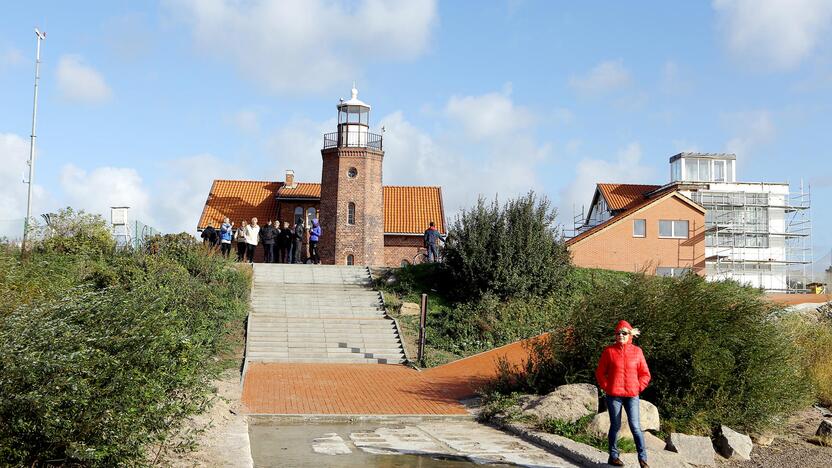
370,389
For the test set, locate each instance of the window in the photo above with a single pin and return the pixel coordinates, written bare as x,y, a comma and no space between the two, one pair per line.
704,170
351,213
352,172
719,171
311,214
350,260
298,214
639,228
672,271
675,229
676,170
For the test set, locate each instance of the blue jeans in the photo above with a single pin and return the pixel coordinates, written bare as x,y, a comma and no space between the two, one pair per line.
630,405
433,256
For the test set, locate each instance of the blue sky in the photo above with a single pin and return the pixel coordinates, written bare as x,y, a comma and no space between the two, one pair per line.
145,103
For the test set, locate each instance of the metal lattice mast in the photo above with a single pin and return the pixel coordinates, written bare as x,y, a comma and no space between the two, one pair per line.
41,36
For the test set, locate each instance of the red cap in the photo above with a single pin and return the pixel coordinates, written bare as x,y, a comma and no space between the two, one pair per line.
623,324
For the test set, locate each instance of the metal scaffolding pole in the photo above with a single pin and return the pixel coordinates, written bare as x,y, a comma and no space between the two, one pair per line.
41,36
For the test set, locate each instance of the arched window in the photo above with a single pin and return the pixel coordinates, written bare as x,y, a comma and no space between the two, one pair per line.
350,260
298,214
351,213
311,214
405,263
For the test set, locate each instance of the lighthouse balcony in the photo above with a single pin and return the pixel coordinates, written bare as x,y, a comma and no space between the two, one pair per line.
353,139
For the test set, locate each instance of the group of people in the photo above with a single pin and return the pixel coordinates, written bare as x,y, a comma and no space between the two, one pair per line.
280,244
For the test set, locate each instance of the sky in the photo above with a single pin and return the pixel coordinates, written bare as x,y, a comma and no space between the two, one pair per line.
143,104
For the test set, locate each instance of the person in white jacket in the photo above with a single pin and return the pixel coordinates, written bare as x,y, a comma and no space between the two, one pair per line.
252,234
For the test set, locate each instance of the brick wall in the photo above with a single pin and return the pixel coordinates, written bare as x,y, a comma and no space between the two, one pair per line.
364,239
398,248
615,248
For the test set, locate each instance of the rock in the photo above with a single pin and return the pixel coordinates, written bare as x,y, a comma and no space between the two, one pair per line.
695,450
763,440
649,418
825,428
567,403
654,443
733,445
410,308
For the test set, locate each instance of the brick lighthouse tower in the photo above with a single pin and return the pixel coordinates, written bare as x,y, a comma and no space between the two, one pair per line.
352,197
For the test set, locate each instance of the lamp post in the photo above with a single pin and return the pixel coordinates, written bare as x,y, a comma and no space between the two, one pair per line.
41,36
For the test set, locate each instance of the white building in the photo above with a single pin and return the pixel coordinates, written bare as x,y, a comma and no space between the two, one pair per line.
757,233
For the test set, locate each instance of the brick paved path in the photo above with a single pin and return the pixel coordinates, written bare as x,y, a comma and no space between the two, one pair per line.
369,389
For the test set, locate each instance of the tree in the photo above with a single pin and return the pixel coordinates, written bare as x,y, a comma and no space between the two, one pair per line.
509,250
71,231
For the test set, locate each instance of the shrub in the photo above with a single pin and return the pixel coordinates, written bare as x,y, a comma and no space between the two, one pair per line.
510,250
102,358
714,350
813,336
73,232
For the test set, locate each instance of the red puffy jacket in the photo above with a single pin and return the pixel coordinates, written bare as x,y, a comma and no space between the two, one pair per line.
622,370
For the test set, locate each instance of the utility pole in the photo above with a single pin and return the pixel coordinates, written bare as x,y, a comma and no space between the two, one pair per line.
41,36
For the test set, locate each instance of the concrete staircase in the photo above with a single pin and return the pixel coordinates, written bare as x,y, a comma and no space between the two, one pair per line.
319,313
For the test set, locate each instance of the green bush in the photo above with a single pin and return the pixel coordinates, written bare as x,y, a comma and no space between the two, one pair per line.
716,353
74,232
103,358
510,251
813,336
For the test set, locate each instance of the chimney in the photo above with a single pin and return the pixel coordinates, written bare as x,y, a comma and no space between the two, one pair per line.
290,179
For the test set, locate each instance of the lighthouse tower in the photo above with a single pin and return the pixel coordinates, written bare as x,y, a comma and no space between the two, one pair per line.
352,197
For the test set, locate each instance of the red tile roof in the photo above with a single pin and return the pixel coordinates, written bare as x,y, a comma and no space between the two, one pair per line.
300,190
239,200
633,207
624,196
407,210
411,209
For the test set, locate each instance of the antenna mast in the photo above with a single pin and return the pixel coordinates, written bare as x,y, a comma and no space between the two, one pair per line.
41,36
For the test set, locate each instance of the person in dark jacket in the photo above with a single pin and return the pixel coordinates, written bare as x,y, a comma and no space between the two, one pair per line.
314,237
240,239
297,241
623,374
209,236
431,239
284,243
268,234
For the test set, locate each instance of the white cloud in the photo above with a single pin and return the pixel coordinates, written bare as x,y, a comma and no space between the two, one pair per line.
607,76
751,129
297,146
673,79
306,45
625,168
103,187
246,121
491,115
14,152
10,56
80,82
776,34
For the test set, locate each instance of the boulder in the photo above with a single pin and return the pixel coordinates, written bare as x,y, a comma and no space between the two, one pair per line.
733,445
654,443
763,439
695,450
825,428
567,403
648,413
410,308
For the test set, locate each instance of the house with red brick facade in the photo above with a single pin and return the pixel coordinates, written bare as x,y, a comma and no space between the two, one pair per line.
641,228
363,221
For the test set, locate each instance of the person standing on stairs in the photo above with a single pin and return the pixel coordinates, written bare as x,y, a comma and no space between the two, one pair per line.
252,235
226,234
268,234
314,237
240,238
297,241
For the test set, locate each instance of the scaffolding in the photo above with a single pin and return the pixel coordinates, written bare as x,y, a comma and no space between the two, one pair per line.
762,238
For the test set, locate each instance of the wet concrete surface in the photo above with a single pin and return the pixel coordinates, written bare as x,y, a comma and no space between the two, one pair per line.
367,444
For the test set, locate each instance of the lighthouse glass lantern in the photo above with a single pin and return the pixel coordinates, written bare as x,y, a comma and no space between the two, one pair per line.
353,121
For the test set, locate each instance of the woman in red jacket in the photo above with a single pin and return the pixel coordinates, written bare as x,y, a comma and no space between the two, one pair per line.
623,374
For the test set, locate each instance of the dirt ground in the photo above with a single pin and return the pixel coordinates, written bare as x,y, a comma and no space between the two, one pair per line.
791,448
225,442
